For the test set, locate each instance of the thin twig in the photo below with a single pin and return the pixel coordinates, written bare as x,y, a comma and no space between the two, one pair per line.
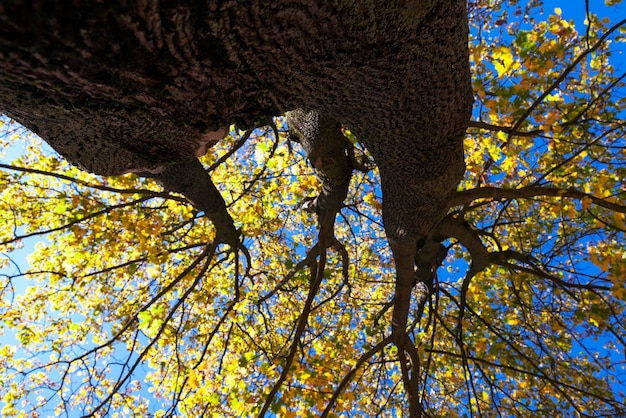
145,192
300,327
348,377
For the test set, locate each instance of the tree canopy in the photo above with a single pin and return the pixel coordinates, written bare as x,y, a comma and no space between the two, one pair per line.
131,307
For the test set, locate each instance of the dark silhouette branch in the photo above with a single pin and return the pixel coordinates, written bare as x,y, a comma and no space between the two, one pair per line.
192,181
143,192
236,146
120,381
404,256
572,157
465,197
309,260
538,373
350,375
506,129
317,275
92,215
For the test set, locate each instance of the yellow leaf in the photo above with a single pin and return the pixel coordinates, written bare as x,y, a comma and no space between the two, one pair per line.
503,61
512,321
508,165
495,152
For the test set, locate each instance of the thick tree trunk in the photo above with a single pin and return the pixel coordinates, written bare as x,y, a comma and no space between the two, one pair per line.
123,85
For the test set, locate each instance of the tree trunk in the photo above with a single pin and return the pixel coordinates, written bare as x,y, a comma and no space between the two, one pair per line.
119,86
123,86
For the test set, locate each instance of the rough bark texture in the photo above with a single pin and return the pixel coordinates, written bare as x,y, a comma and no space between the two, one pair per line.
123,86
190,179
144,86
327,150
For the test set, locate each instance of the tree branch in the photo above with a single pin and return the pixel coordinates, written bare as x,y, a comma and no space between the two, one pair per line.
316,280
467,196
192,181
240,143
146,192
348,377
327,150
506,129
92,215
209,255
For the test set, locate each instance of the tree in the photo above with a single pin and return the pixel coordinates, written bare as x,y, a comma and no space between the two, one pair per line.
141,88
509,287
120,87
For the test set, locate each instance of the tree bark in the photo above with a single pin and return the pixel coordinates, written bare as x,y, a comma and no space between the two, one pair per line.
123,86
190,179
326,148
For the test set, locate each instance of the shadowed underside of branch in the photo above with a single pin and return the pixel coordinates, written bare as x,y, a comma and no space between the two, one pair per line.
192,181
329,153
119,87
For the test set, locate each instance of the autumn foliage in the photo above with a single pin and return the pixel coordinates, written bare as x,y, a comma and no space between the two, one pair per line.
128,306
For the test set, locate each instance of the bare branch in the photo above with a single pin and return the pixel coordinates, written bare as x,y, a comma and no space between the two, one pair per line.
300,327
311,255
506,129
144,192
467,196
190,179
348,377
170,314
92,215
240,143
